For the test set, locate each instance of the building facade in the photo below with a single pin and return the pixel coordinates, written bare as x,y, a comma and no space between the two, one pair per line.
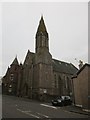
40,76
81,84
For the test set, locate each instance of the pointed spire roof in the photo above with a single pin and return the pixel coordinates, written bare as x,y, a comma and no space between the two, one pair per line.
15,62
41,27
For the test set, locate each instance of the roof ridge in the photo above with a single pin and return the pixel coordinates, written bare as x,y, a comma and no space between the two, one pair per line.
86,64
61,61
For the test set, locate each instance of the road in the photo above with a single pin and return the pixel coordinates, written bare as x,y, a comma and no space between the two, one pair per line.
14,107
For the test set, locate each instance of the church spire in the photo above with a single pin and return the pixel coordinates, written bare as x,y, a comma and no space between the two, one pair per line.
42,37
41,27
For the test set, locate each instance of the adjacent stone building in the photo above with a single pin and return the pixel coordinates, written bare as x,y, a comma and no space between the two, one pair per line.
81,84
40,76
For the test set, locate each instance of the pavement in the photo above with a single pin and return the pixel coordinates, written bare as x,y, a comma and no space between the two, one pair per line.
76,109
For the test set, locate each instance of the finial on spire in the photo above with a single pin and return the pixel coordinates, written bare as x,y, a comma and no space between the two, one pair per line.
16,56
41,15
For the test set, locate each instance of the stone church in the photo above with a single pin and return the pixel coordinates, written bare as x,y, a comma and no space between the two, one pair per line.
40,76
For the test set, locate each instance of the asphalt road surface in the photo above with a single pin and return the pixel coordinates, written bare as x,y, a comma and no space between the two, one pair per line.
15,107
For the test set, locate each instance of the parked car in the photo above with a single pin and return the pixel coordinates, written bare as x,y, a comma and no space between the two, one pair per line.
62,101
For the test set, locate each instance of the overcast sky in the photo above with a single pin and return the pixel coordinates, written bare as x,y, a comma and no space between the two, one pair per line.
66,23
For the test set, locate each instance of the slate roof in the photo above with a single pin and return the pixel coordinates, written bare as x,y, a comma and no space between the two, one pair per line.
64,67
60,66
78,72
83,68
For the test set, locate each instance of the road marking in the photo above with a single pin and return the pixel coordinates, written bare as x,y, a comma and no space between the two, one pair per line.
23,111
27,112
31,115
42,115
48,106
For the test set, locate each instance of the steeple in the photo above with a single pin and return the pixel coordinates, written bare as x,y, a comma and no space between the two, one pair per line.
41,36
41,27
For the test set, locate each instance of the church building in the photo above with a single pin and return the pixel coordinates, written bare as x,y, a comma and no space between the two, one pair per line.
40,76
